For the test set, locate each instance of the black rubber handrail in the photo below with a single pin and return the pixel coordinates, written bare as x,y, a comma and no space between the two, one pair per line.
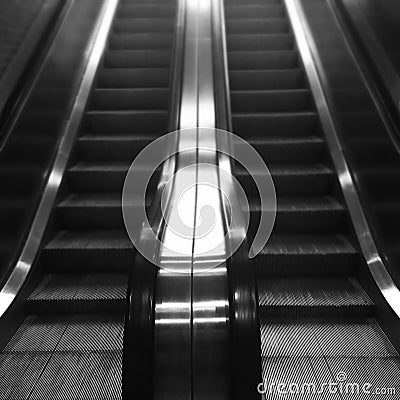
138,349
245,341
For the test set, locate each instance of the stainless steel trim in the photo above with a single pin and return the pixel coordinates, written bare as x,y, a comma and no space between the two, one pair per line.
369,249
34,239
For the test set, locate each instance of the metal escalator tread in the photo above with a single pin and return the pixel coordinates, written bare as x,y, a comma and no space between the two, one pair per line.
354,337
316,319
67,357
312,297
70,344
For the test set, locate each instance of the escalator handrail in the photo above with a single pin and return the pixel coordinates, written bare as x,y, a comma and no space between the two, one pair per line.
138,349
245,341
318,82
32,245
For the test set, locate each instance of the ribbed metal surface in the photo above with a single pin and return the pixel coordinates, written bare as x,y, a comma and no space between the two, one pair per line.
325,338
64,358
81,287
313,297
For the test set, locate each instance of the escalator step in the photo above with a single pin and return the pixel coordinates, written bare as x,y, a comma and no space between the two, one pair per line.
140,41
88,251
256,42
253,25
296,150
267,79
128,99
144,25
103,178
325,338
138,121
293,180
78,211
145,10
260,60
76,293
313,297
306,255
118,148
305,215
64,357
271,100
255,11
266,124
134,78
120,59
306,372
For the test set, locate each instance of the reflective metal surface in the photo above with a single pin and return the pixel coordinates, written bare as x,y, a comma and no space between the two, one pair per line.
368,246
32,244
191,337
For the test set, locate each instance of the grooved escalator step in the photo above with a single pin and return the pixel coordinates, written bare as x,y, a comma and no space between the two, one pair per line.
250,42
254,11
260,60
130,99
325,338
308,215
144,25
317,372
124,59
77,293
313,297
271,100
306,255
105,177
293,180
253,25
138,121
232,2
80,355
264,125
95,210
132,41
300,150
116,148
267,79
145,10
134,78
87,251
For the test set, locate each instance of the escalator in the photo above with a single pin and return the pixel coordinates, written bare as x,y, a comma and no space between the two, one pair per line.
69,344
316,320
